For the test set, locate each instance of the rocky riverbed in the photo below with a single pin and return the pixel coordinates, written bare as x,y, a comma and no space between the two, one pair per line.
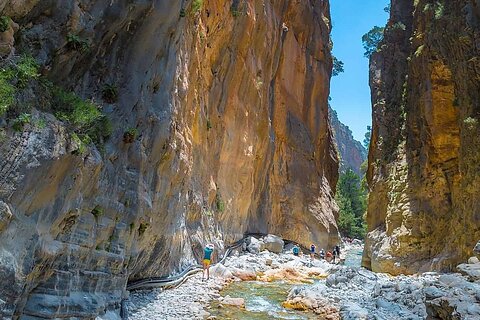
318,289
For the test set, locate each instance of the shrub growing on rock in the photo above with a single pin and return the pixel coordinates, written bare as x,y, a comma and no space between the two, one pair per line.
74,42
21,121
7,92
4,23
110,93
130,135
197,5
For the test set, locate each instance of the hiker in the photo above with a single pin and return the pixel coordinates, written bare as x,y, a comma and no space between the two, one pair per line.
312,251
328,256
296,250
337,248
207,257
322,254
334,253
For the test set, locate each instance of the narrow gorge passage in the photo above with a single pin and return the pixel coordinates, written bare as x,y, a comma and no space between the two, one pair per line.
135,133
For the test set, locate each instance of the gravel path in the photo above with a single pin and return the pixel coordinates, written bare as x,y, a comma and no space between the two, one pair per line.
182,303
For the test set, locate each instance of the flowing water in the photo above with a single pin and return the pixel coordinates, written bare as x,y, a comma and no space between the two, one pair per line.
263,300
353,258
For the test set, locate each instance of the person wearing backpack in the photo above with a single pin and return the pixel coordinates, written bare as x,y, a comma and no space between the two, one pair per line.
207,258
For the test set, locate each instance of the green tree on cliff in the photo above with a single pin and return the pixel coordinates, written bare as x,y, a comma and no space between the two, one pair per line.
368,137
338,67
372,39
351,199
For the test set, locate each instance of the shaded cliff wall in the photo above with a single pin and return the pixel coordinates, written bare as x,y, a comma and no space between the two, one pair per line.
424,168
230,105
351,152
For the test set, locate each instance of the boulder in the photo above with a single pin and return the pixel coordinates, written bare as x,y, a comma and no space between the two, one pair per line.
473,260
268,262
244,275
220,271
272,243
254,245
357,242
236,302
476,249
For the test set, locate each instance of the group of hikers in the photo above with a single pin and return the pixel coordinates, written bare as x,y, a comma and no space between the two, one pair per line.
329,256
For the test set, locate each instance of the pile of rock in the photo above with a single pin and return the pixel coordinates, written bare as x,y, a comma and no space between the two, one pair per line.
270,242
361,294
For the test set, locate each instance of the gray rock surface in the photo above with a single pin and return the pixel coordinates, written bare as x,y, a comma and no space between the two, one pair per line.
473,260
471,271
361,294
476,249
254,245
272,243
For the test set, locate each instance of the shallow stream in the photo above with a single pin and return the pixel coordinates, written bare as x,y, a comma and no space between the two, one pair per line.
263,300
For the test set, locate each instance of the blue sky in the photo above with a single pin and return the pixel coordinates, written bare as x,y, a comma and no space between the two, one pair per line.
350,92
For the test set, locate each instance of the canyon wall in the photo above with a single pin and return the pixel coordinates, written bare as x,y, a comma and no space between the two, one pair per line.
351,152
424,158
219,126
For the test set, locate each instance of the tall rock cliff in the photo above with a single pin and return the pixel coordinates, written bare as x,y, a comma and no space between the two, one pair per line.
219,126
351,152
424,159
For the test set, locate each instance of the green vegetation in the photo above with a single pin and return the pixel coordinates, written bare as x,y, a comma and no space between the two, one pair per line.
399,26
130,135
13,77
78,112
97,212
74,42
437,7
7,92
219,202
82,116
235,13
4,23
84,119
368,137
371,40
26,70
352,199
470,123
182,13
337,67
110,93
439,10
21,121
238,9
197,5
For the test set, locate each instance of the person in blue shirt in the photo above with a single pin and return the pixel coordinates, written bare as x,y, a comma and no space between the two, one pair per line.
296,250
207,258
312,251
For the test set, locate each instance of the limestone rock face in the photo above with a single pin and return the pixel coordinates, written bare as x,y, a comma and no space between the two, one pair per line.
230,104
351,152
424,171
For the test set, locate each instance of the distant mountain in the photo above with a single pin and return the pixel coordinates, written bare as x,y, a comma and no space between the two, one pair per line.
352,153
